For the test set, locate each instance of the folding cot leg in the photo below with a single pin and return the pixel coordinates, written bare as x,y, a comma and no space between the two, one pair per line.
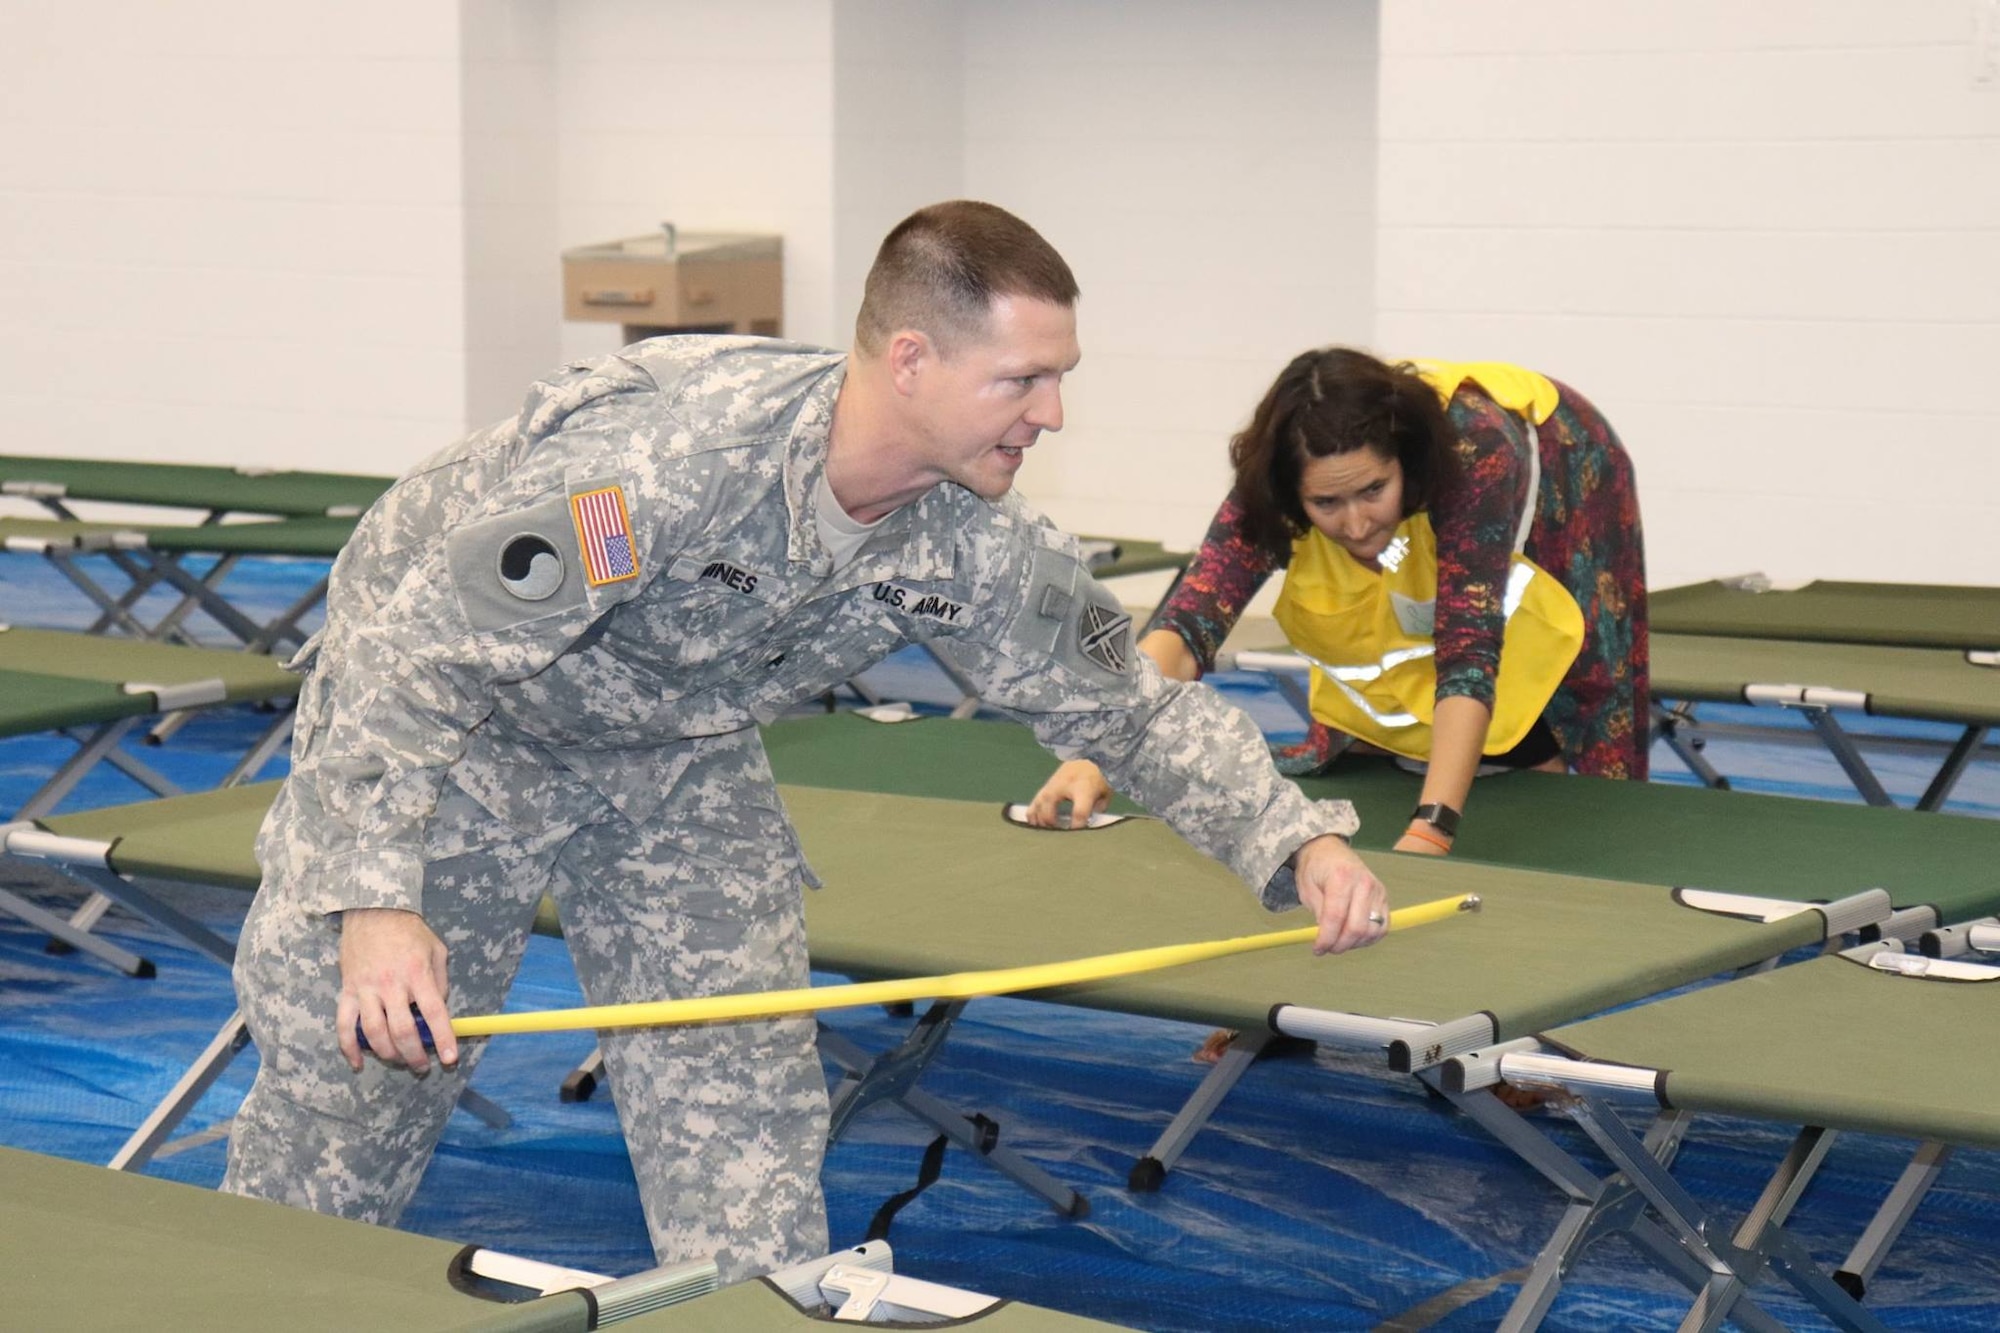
147,1140
1151,1170
892,1076
49,923
1760,1227
111,611
173,1108
1598,1207
887,1076
171,919
583,1079
1676,726
143,773
87,916
1730,1267
1762,1238
483,1109
1887,1225
172,621
90,752
275,737
202,592
1849,758
212,602
1962,754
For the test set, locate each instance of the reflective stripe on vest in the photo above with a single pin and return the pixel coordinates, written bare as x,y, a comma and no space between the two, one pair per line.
1389,697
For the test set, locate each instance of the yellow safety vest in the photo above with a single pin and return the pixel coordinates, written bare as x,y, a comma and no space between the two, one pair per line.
1368,635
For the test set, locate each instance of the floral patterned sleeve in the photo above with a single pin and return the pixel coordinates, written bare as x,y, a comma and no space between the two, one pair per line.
1225,574
1475,529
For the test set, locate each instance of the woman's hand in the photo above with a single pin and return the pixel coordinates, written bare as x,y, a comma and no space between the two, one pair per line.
1079,782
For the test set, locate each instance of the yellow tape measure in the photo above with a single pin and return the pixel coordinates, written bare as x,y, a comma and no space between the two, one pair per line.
956,986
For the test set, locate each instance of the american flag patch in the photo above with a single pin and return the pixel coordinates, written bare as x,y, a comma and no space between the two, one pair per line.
604,531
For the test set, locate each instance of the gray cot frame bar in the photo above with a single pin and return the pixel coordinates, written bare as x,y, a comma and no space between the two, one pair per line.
146,569
1639,1190
1461,1059
1681,729
101,745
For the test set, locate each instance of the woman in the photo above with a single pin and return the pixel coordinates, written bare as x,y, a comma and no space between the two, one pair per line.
1427,513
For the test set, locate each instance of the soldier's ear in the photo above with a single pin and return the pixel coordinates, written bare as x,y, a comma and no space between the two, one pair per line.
909,354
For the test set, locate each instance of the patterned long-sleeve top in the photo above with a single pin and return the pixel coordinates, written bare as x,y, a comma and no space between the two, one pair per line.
1586,534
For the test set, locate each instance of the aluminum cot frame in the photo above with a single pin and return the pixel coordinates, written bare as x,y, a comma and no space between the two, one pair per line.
1419,1047
187,1257
95,692
315,513
1925,652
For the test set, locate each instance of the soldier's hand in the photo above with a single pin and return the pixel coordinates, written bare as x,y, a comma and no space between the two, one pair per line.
1079,782
1349,903
390,960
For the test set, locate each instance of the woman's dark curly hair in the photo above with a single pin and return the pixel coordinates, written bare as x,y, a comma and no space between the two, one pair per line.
1333,401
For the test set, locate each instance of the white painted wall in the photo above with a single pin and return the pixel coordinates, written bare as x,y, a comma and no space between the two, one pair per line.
715,116
231,231
513,266
898,129
1208,170
1762,237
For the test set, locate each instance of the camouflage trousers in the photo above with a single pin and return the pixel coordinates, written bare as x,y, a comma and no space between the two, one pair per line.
726,1123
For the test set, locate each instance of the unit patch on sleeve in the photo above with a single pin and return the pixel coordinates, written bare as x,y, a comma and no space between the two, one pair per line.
604,535
530,567
916,602
515,567
1104,634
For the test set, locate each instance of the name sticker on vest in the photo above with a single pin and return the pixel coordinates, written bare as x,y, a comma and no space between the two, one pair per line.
728,575
912,602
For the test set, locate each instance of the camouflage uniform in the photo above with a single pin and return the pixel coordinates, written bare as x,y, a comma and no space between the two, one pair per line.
500,704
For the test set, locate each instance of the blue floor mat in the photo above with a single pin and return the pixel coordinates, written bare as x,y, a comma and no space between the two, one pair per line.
1324,1194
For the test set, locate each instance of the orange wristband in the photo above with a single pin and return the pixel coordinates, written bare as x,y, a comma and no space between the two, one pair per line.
1415,831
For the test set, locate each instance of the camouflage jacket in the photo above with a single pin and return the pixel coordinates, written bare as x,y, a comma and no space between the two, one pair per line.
634,561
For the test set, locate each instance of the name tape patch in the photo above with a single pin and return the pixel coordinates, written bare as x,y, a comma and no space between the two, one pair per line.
912,602
728,575
604,533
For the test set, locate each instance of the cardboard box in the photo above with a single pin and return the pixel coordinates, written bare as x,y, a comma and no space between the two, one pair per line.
688,282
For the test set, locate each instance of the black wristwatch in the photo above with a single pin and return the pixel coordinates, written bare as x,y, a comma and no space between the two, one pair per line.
1439,816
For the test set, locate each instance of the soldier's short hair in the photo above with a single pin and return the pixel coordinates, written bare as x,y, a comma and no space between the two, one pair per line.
940,270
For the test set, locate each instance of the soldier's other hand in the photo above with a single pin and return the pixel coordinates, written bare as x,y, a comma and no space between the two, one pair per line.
1349,903
390,960
1079,782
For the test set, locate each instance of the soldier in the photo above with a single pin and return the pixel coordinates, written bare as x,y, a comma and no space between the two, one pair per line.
545,655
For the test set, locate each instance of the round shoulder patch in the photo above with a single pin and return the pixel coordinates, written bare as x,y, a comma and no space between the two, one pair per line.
530,567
